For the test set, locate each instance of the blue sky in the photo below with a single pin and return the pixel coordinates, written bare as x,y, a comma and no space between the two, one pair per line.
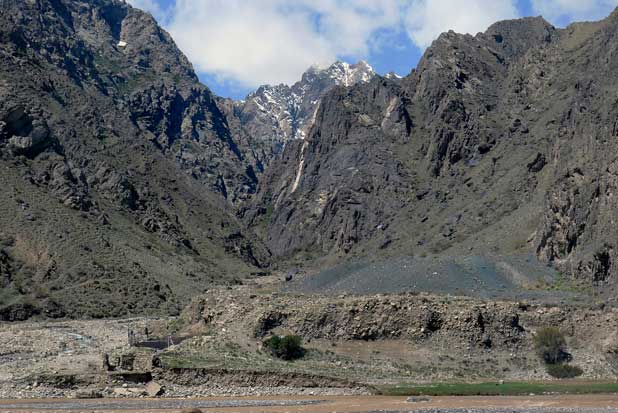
236,45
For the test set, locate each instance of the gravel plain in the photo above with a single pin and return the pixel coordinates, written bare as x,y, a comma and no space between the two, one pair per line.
148,404
318,404
504,410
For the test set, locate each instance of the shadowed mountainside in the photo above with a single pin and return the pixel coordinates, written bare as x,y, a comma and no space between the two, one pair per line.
112,155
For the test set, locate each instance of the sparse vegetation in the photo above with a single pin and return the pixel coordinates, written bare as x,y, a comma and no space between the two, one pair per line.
285,347
497,389
550,346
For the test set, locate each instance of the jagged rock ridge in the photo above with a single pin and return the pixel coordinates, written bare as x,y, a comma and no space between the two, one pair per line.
499,143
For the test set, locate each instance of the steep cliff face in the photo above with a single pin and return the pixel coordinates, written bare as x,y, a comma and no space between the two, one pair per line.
341,183
579,227
497,143
113,156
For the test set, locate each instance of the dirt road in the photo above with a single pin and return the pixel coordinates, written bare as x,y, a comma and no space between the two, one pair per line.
527,404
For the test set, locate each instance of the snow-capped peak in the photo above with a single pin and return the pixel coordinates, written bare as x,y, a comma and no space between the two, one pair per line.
346,74
280,113
392,75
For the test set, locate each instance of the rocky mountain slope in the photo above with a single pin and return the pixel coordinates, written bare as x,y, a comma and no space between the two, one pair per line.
128,186
500,143
113,158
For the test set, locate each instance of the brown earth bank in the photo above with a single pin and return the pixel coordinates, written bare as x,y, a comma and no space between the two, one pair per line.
541,404
413,337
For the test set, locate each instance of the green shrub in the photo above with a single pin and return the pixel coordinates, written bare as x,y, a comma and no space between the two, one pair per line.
564,371
285,347
550,346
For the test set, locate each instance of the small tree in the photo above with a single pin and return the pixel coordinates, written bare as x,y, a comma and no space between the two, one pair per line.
551,346
286,347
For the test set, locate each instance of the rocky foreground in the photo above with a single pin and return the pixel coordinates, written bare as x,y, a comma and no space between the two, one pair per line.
354,345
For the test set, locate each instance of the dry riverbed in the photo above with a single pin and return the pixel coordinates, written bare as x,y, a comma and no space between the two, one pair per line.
349,404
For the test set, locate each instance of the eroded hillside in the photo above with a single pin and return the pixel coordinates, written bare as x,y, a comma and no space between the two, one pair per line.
112,156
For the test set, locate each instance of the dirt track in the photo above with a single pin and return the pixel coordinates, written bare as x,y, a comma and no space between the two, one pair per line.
540,404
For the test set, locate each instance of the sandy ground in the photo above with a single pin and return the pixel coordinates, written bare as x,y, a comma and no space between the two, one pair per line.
596,403
70,346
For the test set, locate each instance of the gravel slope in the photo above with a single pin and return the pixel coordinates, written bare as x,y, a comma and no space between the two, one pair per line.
488,277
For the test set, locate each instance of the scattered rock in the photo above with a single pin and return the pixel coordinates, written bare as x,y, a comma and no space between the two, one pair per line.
418,399
87,394
121,391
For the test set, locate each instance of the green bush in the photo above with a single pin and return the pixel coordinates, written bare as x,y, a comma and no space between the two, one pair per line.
564,371
550,346
285,347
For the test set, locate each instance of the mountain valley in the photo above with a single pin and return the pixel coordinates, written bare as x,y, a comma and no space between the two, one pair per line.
349,234
129,184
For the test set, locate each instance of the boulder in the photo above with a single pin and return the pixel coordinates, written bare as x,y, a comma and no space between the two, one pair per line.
154,389
87,394
130,391
121,391
17,312
35,142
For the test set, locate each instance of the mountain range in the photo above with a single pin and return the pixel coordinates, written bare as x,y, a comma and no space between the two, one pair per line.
128,186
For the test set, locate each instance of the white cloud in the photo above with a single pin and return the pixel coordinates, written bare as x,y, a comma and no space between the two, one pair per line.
562,12
251,42
274,41
350,25
426,19
150,6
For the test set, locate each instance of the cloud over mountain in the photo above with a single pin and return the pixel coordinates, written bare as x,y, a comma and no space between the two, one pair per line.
249,43
426,19
562,12
274,41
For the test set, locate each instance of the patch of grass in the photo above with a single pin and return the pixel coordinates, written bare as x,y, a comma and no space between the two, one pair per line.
269,213
177,361
497,389
223,355
136,82
564,371
565,284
